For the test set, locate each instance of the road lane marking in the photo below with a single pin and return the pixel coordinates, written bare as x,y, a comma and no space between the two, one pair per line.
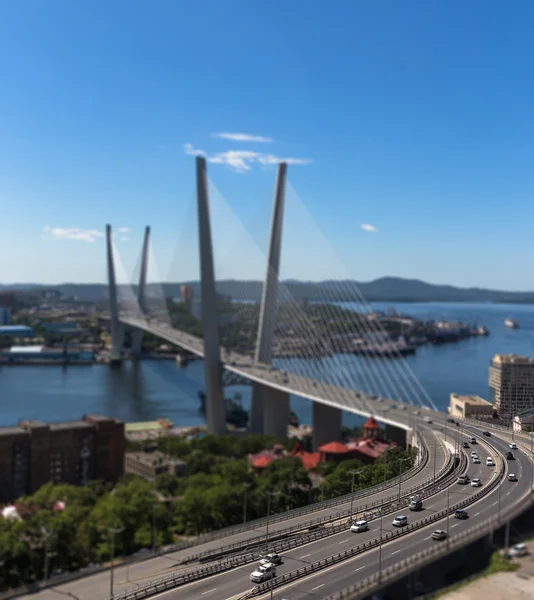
209,591
395,552
476,514
306,555
359,568
343,542
495,503
316,588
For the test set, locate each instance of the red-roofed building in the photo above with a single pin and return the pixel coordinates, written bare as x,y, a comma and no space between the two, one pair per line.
309,460
333,451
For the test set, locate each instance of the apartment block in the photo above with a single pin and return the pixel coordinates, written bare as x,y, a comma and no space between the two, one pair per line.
75,452
511,382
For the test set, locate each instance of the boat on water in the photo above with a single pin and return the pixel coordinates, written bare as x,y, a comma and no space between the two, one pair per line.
236,415
511,323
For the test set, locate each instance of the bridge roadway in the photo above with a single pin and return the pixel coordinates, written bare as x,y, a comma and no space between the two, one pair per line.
244,366
234,583
129,576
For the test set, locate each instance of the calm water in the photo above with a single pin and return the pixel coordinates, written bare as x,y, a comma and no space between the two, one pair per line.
151,389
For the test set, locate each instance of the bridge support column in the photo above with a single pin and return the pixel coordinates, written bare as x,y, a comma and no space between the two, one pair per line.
397,435
267,320
275,411
137,334
215,412
326,424
117,330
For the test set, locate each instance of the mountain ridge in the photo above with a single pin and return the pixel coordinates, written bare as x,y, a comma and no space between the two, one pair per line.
383,289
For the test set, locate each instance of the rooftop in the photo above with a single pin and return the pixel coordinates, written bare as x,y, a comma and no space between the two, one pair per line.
11,430
22,349
8,328
334,448
499,359
470,399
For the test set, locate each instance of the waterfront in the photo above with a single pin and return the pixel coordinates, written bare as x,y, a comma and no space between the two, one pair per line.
152,389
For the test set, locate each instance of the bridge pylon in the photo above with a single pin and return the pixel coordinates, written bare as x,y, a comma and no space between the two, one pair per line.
117,330
215,410
137,334
269,410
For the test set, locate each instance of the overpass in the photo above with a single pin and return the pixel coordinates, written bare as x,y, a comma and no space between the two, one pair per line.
271,386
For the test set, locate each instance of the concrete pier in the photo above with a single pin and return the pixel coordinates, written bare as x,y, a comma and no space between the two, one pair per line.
397,435
326,424
277,414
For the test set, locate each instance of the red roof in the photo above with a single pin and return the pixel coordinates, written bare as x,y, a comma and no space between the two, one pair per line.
370,448
371,423
261,462
310,459
334,448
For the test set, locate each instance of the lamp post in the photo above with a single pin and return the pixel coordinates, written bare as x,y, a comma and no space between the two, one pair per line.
353,473
380,551
246,485
46,535
113,531
269,496
401,460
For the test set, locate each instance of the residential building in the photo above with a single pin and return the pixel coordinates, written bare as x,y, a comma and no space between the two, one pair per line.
186,294
150,464
511,382
75,452
473,407
5,315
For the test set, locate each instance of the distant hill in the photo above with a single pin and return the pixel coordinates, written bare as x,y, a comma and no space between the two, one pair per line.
385,289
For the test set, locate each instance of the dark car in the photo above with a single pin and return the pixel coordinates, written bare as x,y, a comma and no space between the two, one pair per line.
486,433
451,421
465,445
461,514
510,456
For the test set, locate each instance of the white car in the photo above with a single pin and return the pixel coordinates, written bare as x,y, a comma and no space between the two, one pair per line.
400,521
512,477
513,445
359,526
476,482
263,573
476,460
473,453
489,462
518,550
271,559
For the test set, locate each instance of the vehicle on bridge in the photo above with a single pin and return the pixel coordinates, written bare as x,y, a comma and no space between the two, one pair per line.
461,514
513,446
400,521
439,534
263,573
512,477
416,504
359,526
510,456
463,480
476,482
271,559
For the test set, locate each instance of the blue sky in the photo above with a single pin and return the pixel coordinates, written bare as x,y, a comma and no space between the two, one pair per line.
412,117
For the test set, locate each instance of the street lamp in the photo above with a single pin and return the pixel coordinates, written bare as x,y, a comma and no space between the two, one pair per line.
246,485
401,460
113,531
154,533
269,496
46,535
380,551
353,473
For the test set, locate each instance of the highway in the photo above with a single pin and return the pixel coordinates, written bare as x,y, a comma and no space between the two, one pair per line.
336,578
236,582
131,575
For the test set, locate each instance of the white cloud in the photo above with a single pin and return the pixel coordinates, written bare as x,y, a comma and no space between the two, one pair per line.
192,151
367,227
241,161
243,137
74,233
123,229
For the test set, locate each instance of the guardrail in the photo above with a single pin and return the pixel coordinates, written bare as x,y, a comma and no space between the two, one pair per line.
388,576
220,533
420,489
177,580
341,556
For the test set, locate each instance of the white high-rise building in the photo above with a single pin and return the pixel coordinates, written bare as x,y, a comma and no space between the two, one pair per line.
511,382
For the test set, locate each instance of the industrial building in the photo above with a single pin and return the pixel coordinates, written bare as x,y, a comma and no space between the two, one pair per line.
40,354
75,452
511,381
17,331
473,407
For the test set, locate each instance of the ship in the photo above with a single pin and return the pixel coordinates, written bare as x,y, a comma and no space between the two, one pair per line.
236,415
511,324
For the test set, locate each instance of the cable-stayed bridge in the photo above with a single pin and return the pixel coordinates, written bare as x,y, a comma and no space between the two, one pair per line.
332,383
